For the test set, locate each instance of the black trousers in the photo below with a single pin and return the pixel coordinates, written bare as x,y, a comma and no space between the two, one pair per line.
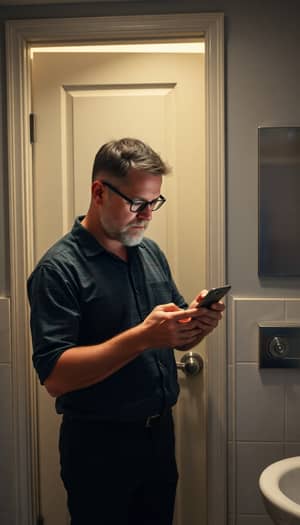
118,473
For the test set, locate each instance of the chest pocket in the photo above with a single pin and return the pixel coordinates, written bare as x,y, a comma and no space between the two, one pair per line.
160,292
157,276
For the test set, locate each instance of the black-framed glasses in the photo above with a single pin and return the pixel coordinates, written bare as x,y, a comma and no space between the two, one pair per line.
137,205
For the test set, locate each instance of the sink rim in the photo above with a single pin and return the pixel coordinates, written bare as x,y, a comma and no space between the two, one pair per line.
269,484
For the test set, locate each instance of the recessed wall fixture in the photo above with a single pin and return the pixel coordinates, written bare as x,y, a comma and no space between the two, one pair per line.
159,47
279,212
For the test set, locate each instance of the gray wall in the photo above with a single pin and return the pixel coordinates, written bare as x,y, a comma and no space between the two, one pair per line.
262,43
262,77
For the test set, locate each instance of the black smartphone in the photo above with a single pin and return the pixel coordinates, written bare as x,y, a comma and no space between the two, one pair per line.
214,295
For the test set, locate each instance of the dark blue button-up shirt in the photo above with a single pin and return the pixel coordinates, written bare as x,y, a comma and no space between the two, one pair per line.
80,294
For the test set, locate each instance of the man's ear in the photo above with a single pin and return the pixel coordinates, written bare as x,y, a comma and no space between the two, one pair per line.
97,191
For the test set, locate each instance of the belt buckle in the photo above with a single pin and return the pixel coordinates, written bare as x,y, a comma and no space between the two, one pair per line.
149,419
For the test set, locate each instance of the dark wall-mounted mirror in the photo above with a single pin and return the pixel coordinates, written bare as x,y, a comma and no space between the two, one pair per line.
279,201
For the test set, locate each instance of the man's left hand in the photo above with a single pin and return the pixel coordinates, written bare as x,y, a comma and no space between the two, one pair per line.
206,319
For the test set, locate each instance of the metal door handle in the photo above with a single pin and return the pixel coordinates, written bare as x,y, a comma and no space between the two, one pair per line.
190,363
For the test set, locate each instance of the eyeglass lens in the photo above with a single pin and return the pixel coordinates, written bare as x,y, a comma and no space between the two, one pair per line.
140,206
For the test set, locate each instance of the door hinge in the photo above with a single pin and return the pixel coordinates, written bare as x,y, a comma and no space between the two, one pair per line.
40,520
32,127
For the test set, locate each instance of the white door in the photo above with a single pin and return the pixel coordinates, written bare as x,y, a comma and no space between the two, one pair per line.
81,101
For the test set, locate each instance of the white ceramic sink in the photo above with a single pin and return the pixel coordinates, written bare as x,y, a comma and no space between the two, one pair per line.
279,484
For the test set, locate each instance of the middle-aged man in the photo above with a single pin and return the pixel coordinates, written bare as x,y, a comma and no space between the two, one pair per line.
105,317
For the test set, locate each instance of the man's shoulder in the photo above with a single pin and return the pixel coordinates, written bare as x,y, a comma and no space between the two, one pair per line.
60,256
59,251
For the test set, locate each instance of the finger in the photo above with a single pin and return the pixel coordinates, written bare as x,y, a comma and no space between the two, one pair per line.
200,312
187,337
210,324
185,320
191,326
182,314
194,334
190,337
220,306
207,319
209,314
201,295
169,307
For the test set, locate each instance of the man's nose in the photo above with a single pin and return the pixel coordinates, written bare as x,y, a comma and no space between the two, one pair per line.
146,213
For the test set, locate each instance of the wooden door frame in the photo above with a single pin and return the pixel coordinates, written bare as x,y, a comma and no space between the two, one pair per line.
20,36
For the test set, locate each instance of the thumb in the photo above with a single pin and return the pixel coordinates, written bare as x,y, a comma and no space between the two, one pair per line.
202,294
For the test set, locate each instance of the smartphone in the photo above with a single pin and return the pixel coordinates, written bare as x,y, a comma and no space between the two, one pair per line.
214,295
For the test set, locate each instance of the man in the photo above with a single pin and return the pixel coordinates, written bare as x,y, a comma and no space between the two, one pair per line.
105,317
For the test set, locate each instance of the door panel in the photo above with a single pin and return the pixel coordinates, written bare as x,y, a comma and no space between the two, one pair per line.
152,108
80,102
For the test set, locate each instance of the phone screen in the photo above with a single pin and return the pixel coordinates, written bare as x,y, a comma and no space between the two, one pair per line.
214,295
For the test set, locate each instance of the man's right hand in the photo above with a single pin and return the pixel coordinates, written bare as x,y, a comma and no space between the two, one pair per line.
164,329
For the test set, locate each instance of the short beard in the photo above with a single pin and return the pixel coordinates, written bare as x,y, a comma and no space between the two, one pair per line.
124,236
129,240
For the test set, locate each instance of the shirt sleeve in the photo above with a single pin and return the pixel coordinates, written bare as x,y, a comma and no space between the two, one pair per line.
55,317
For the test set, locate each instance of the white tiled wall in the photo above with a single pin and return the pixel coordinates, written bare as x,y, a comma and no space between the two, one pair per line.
6,434
264,407
259,403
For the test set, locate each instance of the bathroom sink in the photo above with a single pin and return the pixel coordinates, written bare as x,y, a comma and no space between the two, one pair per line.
279,484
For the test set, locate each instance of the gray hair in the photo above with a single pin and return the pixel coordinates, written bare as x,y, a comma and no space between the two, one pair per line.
117,157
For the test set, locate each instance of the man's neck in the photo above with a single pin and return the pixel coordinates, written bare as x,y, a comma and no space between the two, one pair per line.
111,245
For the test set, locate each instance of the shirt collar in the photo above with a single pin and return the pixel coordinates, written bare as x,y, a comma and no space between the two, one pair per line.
87,241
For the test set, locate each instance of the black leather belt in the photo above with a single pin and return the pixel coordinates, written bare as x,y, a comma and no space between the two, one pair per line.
146,422
151,420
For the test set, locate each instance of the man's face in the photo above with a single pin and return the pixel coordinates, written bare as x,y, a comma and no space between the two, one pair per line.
118,222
